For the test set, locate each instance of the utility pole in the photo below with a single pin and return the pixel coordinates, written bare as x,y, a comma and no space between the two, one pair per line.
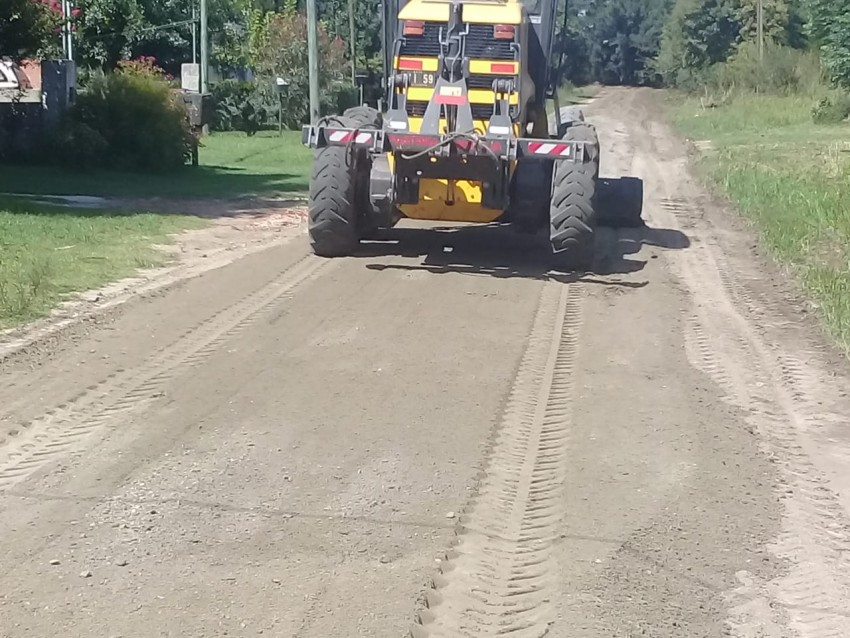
313,59
351,36
385,55
67,39
760,28
194,33
205,50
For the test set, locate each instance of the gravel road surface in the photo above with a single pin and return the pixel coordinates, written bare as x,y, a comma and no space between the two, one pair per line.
437,436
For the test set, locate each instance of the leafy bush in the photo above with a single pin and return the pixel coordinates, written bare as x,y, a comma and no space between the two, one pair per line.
339,97
783,71
79,145
240,106
700,34
832,109
142,123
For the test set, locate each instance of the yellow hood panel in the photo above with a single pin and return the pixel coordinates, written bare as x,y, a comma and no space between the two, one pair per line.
485,12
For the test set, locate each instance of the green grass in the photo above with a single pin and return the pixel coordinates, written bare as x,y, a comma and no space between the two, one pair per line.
792,179
47,253
231,165
569,94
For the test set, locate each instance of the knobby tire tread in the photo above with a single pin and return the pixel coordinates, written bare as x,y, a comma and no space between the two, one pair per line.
572,216
332,216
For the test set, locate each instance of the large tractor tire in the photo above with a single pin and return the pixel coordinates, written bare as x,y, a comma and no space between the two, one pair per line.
529,197
365,116
333,218
572,213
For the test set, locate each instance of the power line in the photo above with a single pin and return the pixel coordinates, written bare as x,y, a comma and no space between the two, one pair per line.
135,31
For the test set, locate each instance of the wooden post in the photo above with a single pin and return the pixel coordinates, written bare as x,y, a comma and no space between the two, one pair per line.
205,49
351,4
313,59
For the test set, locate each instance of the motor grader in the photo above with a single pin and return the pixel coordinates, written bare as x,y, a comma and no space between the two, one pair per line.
465,135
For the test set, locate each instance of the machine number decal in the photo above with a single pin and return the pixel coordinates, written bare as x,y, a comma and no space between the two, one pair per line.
422,78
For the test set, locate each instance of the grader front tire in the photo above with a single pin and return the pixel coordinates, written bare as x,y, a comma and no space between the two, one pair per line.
365,117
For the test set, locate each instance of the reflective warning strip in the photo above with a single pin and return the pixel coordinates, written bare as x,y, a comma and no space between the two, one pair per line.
548,148
346,137
455,100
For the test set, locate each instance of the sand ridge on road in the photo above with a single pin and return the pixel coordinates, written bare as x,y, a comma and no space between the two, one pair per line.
438,436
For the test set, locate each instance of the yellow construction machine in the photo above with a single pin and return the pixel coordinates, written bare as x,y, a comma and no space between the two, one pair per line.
465,136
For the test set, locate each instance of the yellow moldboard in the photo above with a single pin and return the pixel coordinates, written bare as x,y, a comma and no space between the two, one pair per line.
451,201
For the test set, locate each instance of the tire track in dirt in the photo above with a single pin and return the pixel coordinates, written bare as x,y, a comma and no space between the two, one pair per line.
777,392
499,578
816,536
64,428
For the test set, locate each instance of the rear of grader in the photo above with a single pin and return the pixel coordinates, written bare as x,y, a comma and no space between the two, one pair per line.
465,136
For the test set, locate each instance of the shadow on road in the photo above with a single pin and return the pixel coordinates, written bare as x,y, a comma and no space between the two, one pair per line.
496,250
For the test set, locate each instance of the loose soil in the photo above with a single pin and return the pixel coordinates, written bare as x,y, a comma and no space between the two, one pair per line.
438,435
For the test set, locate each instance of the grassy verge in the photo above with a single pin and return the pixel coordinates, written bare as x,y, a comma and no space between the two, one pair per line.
47,253
569,94
231,165
792,179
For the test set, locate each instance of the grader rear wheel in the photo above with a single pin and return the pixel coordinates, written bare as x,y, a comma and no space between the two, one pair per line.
333,223
572,213
584,132
529,203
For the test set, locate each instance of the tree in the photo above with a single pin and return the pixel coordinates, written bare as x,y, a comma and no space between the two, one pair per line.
279,51
703,33
107,31
775,14
699,34
26,26
829,30
626,36
612,41
115,30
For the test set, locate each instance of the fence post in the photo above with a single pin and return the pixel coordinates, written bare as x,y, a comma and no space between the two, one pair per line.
59,87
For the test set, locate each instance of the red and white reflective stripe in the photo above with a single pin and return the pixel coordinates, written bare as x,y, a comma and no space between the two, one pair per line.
548,148
344,137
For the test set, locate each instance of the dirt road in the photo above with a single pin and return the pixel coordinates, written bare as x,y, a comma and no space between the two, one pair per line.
437,435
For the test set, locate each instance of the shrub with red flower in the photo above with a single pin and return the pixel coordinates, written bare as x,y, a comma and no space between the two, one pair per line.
144,65
26,26
54,8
